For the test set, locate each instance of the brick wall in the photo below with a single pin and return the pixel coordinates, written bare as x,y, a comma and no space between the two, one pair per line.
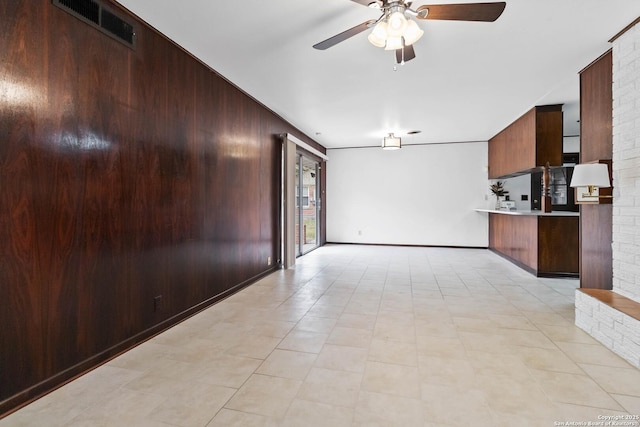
626,164
616,330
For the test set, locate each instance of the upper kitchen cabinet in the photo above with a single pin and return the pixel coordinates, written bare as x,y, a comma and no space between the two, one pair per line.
528,143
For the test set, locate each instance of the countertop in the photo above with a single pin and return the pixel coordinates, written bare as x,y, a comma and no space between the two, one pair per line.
530,213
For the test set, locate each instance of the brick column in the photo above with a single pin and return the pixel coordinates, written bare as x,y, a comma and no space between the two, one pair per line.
616,330
626,164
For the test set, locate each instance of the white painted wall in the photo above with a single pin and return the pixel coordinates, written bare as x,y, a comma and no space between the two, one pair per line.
571,144
418,195
518,186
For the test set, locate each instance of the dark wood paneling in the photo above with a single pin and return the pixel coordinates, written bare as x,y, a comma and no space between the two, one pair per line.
549,129
596,110
596,258
596,143
126,176
25,162
558,247
87,116
542,245
528,143
515,237
519,137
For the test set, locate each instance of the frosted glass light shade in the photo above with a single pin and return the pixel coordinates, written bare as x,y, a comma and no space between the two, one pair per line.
391,142
393,43
378,37
591,174
412,33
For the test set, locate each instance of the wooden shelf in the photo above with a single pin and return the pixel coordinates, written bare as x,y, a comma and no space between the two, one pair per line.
619,302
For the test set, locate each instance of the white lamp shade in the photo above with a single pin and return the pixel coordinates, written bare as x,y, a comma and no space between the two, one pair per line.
396,24
413,33
391,142
596,174
378,37
393,43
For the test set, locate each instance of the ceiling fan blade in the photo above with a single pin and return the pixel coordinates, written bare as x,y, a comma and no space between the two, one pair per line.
405,54
399,56
409,53
486,12
331,41
364,2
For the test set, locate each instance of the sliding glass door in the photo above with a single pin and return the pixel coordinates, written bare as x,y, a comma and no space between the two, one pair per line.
307,205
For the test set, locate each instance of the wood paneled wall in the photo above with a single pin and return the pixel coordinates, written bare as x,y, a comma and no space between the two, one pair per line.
596,110
596,143
124,176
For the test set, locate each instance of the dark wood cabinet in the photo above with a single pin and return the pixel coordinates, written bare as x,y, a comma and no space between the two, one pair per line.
544,245
528,143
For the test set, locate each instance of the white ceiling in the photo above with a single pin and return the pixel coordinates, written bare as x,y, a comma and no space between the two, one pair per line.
469,80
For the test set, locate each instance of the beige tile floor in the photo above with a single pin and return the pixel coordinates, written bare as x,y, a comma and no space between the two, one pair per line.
364,336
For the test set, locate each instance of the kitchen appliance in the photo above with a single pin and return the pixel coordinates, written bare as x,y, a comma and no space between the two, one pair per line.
562,196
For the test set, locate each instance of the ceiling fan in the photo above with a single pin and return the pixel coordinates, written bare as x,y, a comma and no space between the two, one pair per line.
394,29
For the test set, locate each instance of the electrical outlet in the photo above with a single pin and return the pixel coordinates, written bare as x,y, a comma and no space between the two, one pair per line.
268,260
359,232
156,303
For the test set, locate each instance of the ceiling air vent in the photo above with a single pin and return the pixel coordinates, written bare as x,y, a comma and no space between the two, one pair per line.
117,26
101,17
87,9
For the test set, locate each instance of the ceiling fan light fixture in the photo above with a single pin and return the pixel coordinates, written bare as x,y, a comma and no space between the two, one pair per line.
394,29
391,142
397,24
413,33
394,43
378,37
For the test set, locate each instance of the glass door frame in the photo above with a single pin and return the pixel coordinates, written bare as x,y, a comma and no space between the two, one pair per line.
303,161
291,146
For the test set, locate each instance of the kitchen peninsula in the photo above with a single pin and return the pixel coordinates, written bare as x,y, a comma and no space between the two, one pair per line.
544,244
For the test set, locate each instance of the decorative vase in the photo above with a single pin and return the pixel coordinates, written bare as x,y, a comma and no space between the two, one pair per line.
498,202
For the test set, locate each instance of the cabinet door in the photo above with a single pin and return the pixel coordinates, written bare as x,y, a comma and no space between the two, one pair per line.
514,149
528,143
